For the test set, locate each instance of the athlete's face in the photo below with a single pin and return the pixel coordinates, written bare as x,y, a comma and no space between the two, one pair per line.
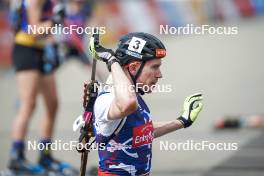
150,75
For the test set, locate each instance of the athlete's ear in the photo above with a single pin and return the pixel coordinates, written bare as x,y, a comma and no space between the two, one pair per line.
133,67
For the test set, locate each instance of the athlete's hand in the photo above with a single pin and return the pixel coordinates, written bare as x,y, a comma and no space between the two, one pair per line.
191,108
88,90
100,53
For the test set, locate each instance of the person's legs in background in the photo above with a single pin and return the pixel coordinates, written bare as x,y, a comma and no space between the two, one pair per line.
46,159
49,93
28,87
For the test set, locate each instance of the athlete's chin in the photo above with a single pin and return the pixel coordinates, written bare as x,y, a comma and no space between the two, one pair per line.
151,87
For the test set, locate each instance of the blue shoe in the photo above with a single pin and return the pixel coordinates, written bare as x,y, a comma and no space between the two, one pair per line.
22,167
54,165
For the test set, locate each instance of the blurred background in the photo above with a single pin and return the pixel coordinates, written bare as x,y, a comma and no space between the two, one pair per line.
227,69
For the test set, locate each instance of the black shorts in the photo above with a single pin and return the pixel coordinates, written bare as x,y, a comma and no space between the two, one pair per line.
29,58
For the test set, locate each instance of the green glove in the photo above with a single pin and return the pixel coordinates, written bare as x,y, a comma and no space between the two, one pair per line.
190,111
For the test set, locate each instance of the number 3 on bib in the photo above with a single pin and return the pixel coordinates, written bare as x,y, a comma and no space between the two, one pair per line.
136,44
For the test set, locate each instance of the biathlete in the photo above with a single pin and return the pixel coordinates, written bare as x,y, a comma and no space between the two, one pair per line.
122,119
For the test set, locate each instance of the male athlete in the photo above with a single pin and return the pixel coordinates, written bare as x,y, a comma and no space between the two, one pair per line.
122,119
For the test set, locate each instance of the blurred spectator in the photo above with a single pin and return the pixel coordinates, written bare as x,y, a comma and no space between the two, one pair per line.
35,62
78,13
236,121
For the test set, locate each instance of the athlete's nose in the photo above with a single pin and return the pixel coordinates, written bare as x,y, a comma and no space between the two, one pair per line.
159,74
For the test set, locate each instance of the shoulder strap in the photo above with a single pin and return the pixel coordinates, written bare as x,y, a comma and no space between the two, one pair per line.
116,131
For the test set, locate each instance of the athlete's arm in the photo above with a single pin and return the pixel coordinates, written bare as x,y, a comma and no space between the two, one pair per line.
125,101
162,128
191,109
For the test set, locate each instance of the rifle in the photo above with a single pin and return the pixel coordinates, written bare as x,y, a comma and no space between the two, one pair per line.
85,122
